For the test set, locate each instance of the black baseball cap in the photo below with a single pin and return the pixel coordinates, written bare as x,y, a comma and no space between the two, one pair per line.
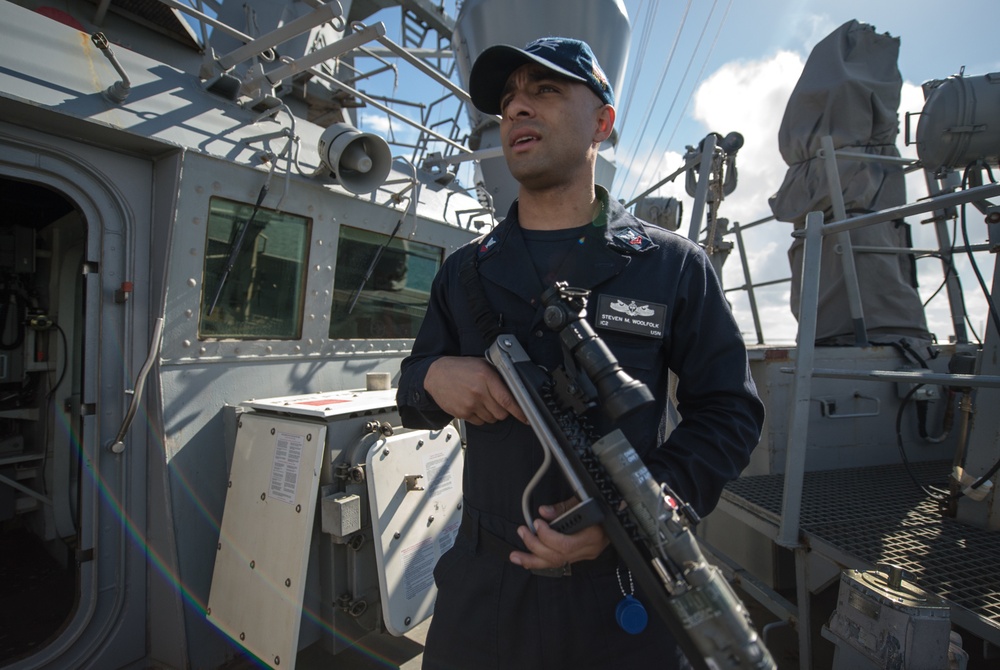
568,57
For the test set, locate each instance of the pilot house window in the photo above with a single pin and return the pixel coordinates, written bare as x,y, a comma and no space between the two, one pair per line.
381,286
255,271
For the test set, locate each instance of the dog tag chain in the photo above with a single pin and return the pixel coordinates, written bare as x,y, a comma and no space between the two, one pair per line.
630,614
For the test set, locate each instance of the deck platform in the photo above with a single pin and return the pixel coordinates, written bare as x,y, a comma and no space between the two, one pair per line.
861,517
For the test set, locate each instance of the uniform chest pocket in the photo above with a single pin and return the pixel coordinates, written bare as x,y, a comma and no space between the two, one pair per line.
634,352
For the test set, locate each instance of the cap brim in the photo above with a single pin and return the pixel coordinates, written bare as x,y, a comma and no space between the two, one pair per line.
493,67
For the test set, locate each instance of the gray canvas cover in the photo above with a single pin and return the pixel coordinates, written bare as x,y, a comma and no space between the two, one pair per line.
850,90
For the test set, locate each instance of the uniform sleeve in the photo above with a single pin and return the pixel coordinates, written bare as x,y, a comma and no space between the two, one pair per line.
721,413
436,338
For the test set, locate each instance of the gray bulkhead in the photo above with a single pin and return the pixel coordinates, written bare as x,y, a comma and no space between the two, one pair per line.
142,175
200,377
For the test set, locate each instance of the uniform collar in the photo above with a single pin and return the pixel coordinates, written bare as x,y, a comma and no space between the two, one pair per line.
609,243
623,232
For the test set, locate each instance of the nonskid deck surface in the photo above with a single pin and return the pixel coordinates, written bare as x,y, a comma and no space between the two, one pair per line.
876,515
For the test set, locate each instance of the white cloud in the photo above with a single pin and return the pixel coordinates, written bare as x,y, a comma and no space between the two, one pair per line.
393,130
750,97
911,100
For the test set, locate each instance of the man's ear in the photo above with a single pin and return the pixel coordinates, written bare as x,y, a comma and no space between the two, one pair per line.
605,123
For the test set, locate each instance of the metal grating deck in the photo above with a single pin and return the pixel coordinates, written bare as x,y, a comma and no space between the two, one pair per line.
877,515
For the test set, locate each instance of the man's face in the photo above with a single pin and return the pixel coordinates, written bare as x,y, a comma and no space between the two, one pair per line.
549,125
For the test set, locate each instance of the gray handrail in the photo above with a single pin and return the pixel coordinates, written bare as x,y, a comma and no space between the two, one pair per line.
118,445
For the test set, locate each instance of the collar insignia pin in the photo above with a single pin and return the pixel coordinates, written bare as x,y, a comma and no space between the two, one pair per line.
632,238
487,244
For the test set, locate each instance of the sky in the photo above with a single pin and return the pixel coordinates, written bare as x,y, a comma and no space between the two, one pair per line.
749,58
730,65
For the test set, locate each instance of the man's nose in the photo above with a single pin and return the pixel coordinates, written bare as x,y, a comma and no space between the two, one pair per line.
518,105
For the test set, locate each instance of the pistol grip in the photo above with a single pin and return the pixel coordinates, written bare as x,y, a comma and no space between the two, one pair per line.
580,516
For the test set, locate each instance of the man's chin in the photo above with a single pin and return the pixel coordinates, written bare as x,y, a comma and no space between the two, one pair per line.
534,178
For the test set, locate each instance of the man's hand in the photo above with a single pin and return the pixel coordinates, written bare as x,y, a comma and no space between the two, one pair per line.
471,389
552,549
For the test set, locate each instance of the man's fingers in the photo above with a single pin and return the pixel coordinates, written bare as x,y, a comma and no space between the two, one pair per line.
502,395
550,512
491,409
540,555
548,548
471,389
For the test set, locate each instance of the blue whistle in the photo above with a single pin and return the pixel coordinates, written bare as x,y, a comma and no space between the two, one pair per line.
631,615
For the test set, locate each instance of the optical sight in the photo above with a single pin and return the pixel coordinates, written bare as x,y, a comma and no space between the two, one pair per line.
618,393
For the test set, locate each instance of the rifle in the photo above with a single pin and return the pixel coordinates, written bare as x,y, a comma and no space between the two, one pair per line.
648,524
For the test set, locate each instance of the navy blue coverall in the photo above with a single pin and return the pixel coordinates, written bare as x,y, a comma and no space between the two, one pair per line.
656,302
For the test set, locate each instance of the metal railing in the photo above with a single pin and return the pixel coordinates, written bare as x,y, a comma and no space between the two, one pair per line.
789,531
945,250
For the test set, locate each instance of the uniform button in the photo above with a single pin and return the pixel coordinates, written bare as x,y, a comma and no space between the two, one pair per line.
416,396
538,333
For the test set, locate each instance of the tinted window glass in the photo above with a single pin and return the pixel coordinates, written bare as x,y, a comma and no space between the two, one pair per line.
392,301
255,273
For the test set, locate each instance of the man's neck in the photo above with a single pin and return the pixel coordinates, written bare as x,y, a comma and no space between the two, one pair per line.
558,208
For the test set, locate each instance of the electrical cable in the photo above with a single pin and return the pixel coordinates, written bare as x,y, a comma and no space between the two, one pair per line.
958,280
930,493
991,305
972,329
670,109
993,313
996,322
640,56
949,268
687,102
654,96
691,93
48,400
65,343
951,271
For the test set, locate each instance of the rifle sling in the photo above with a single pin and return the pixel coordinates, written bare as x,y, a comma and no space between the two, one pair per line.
482,312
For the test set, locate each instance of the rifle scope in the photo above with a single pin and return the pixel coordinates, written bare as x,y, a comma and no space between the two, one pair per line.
619,393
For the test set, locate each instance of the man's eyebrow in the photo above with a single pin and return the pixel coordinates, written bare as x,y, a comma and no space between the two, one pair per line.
535,76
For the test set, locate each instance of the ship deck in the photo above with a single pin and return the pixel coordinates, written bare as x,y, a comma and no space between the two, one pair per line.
861,517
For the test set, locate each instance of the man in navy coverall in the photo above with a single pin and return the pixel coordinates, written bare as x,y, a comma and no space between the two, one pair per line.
510,598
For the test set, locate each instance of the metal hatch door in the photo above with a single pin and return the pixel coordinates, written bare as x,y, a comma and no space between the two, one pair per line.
259,578
415,491
92,498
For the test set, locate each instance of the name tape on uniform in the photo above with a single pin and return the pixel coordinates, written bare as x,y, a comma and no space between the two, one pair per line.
631,316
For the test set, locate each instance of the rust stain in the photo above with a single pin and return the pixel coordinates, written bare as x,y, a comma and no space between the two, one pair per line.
89,51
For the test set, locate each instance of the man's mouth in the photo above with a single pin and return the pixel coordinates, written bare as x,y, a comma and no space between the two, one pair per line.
524,143
523,139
